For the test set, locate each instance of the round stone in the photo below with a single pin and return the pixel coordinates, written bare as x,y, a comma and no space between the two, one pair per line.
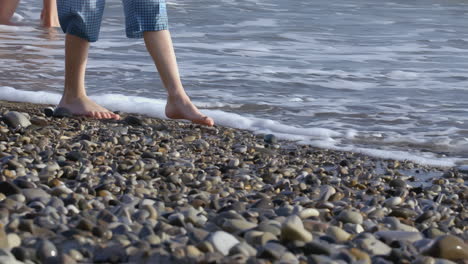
270,139
46,249
16,119
449,247
393,201
293,229
237,225
397,183
350,216
61,112
309,212
223,241
13,240
338,234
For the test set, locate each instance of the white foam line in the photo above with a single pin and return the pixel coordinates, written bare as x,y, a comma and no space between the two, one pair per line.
318,137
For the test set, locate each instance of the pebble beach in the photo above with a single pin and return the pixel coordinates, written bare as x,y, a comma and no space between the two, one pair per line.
147,190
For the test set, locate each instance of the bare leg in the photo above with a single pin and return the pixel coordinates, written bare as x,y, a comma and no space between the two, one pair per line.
49,16
178,106
74,95
7,9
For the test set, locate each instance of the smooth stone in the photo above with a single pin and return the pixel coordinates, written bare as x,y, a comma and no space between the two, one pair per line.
35,194
403,213
326,191
449,247
309,212
39,121
61,112
399,236
16,119
288,258
270,139
193,252
20,254
46,249
360,256
338,234
189,138
49,111
272,250
74,156
237,225
7,258
393,201
316,249
397,183
350,216
201,144
233,163
293,229
8,188
111,253
223,241
13,240
374,246
3,238
243,249
133,121
433,232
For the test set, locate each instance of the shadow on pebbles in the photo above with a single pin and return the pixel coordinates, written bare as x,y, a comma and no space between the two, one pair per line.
145,190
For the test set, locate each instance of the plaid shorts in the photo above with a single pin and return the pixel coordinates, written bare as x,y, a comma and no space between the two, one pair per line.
83,18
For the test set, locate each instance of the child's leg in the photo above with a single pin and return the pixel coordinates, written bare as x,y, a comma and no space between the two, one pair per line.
74,95
81,20
7,9
179,106
49,15
148,18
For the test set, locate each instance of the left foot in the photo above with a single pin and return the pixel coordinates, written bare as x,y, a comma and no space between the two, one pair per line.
182,108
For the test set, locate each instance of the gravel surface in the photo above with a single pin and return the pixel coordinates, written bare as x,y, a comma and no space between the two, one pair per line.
146,190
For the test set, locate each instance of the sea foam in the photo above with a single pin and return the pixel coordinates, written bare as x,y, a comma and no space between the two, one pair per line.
318,137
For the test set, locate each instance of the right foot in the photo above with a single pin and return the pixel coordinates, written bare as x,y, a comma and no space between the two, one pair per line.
83,106
180,107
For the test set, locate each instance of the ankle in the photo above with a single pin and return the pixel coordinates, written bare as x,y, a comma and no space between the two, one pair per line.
70,98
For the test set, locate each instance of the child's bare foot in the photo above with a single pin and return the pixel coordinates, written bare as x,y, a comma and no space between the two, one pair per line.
182,108
83,106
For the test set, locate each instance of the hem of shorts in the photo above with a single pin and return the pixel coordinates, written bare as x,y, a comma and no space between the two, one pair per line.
139,34
81,35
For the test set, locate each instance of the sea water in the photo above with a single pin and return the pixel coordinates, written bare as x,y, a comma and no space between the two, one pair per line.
385,78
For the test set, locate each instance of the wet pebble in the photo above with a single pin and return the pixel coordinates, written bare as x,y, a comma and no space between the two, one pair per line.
16,119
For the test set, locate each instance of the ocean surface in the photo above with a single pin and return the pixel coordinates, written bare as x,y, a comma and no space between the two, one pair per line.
385,78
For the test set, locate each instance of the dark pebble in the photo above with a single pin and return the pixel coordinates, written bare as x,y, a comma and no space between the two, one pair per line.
74,156
20,253
133,121
397,183
49,111
270,139
8,188
316,248
345,163
61,112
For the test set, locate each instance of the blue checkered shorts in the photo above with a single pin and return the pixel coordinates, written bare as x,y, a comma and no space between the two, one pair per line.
83,18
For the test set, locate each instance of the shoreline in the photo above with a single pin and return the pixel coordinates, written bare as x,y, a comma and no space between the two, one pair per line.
144,189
